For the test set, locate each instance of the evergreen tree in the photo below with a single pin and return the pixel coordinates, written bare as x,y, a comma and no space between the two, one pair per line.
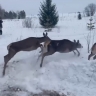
48,16
22,14
79,16
18,14
14,15
10,15
6,15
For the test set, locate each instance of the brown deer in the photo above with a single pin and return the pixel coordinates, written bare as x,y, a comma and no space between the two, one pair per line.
62,46
93,52
29,44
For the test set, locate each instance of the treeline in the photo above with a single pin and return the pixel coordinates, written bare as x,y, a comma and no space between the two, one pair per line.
11,14
14,15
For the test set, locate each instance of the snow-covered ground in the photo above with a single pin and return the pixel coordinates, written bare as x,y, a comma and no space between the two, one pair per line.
66,73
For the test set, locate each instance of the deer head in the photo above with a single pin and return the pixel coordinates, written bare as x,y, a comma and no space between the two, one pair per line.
78,44
47,39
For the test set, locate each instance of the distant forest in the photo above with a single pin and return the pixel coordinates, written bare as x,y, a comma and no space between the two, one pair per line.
11,14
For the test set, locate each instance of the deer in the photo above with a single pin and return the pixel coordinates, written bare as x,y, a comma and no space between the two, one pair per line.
93,52
61,46
28,44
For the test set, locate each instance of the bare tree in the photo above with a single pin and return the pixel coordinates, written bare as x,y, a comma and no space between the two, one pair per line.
91,35
28,23
90,9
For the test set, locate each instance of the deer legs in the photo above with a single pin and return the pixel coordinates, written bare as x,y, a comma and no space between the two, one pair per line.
42,60
94,57
46,46
10,54
41,46
46,54
91,56
74,52
77,52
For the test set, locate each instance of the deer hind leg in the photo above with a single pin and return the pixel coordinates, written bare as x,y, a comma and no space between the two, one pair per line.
90,56
10,54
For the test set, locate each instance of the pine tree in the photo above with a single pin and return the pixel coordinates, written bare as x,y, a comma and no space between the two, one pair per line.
6,15
10,15
48,16
23,14
18,14
14,15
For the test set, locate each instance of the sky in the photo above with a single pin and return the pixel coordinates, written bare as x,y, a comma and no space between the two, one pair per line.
32,6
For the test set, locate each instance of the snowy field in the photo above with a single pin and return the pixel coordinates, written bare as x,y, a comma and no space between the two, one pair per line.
63,72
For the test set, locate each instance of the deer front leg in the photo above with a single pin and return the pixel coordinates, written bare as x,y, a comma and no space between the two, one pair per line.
46,54
74,52
45,49
78,52
39,56
42,60
90,56
94,57
41,46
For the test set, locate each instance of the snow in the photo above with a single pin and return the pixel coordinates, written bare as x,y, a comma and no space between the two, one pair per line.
63,72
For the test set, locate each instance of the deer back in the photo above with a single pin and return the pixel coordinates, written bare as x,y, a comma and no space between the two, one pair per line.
24,44
93,49
64,45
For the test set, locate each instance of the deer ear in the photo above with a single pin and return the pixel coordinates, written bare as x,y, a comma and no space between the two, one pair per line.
77,41
43,34
46,33
74,41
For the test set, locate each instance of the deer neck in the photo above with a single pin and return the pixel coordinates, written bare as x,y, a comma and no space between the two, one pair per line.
74,46
41,39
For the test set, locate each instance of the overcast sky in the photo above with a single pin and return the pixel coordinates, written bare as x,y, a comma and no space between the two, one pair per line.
32,6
